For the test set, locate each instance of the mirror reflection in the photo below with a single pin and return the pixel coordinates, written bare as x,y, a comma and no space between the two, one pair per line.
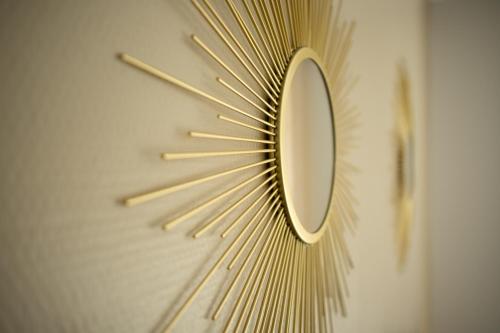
308,152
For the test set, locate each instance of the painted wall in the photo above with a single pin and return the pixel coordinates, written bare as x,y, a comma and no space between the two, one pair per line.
464,160
80,130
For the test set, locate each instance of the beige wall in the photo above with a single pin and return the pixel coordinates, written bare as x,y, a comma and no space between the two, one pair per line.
79,130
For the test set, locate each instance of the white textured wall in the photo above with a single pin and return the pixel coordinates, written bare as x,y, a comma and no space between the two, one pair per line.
79,130
464,162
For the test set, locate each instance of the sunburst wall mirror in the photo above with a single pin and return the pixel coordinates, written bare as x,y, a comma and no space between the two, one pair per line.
405,168
287,243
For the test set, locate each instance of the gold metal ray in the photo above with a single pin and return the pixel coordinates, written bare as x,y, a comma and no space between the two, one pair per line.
239,123
262,262
148,196
247,210
263,42
269,92
227,211
170,224
246,261
161,75
275,86
256,288
270,37
267,296
227,137
214,56
236,92
183,156
245,243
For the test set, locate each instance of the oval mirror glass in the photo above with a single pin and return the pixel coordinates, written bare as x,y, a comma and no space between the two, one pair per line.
307,148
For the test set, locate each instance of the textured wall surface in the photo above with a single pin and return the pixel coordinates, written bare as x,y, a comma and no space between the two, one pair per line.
80,130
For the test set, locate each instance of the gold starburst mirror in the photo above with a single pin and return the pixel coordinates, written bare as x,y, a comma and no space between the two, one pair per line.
405,173
287,63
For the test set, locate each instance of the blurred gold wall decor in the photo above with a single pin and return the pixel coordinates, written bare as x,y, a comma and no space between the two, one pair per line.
405,164
287,278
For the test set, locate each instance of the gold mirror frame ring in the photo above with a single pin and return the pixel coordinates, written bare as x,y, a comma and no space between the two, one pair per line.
297,59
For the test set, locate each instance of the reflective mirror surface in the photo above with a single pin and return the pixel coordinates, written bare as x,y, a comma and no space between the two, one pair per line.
307,146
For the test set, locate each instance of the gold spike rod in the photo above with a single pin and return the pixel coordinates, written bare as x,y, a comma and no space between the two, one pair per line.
226,137
269,92
291,304
262,39
252,42
298,296
239,123
267,18
342,272
243,246
170,224
276,55
207,277
163,76
320,290
270,31
218,218
338,288
302,310
262,265
214,56
279,26
293,41
269,308
271,286
242,49
245,212
249,255
142,198
249,101
269,318
183,156
324,286
256,288
265,38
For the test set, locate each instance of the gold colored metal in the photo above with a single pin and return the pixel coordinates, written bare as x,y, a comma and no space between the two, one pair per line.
214,199
262,263
209,274
239,123
247,210
300,56
142,198
276,280
246,261
159,74
296,279
254,46
225,84
214,56
276,54
270,93
405,157
260,34
227,137
227,211
273,84
183,156
240,251
260,277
